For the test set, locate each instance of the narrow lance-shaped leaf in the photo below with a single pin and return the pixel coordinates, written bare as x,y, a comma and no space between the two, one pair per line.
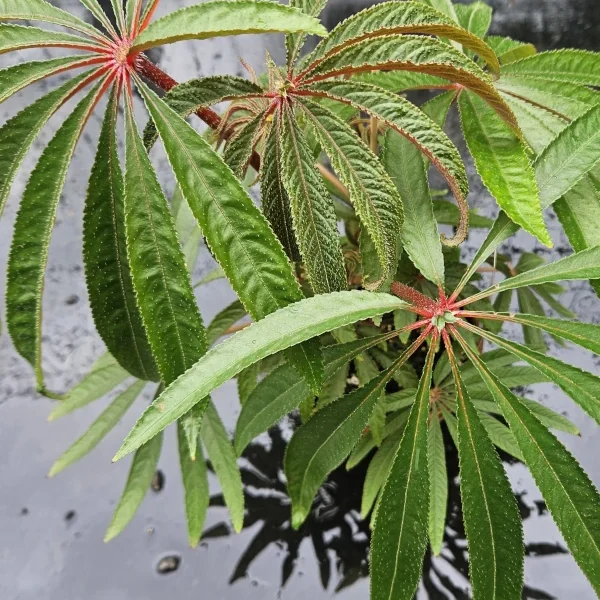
568,492
275,202
492,520
223,459
503,165
106,374
234,228
143,468
17,134
99,429
133,11
285,328
420,236
283,390
475,17
295,41
401,519
402,116
573,153
413,53
394,18
372,192
17,77
195,487
224,320
569,66
312,209
32,233
323,443
226,17
98,12
164,292
40,10
239,149
110,288
438,484
18,37
580,385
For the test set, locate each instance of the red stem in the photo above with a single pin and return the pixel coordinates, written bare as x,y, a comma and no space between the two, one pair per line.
165,82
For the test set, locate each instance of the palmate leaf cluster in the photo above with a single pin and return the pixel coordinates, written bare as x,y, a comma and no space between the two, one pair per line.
374,334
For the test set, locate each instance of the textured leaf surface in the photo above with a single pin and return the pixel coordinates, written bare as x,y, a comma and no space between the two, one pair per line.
569,494
105,375
393,18
570,66
295,41
413,53
195,488
224,461
164,292
18,37
234,228
226,17
313,214
323,443
572,154
99,429
503,165
143,468
420,236
475,17
438,484
110,287
17,134
401,521
285,328
580,385
40,10
239,149
491,516
32,233
228,317
372,192
409,121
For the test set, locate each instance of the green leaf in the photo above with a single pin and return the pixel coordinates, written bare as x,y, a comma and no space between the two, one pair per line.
322,444
98,12
401,521
133,10
400,81
228,317
491,516
409,121
105,375
141,473
247,381
438,484
223,18
372,193
545,294
568,66
580,385
447,213
188,232
99,429
378,471
275,200
444,6
283,390
234,228
186,98
40,10
224,461
500,435
569,494
110,288
503,45
392,18
475,17
420,236
32,233
18,37
195,488
529,304
17,134
285,328
164,292
572,154
413,53
313,214
503,165
295,41
240,148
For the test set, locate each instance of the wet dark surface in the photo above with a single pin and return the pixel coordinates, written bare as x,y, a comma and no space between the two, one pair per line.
51,529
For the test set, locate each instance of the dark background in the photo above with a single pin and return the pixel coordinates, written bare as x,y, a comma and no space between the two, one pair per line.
51,530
